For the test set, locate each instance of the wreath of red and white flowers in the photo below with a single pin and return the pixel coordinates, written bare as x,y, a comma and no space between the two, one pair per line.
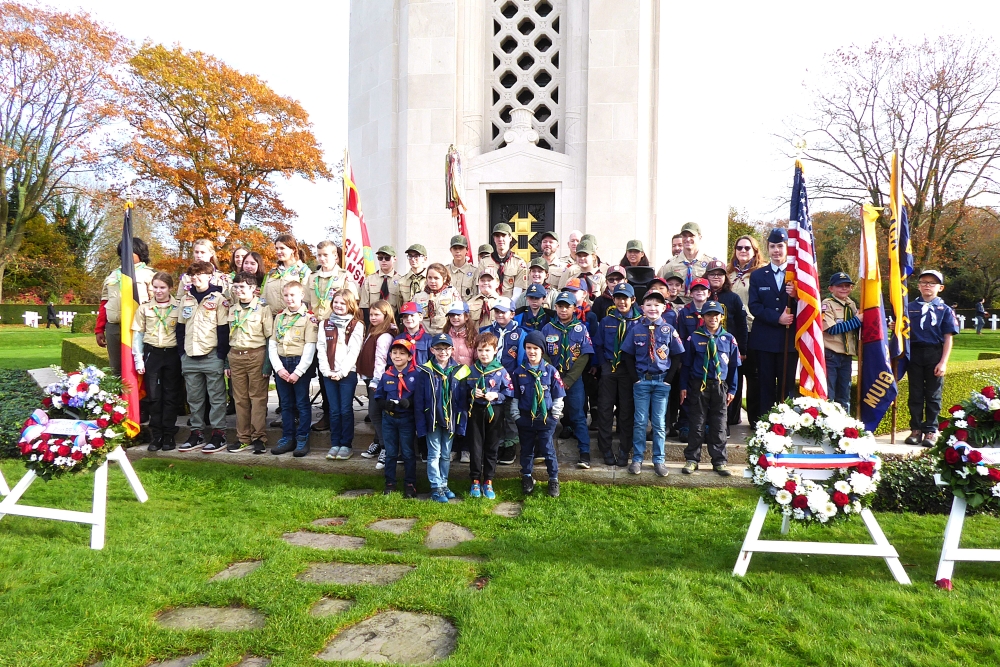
810,422
968,450
82,419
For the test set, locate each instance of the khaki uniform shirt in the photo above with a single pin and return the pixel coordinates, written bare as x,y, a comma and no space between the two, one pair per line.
677,265
435,307
557,267
835,312
200,320
293,330
741,286
465,280
320,289
371,290
218,279
406,287
157,322
249,326
597,280
275,281
481,310
111,291
515,273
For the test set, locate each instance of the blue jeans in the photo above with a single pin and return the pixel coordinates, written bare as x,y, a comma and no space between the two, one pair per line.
438,457
294,400
576,396
398,438
651,398
838,378
340,395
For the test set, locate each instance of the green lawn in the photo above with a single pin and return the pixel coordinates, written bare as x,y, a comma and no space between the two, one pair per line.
968,345
24,348
602,576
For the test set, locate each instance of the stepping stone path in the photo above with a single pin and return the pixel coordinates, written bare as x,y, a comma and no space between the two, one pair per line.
184,661
331,521
509,510
394,637
445,535
330,607
237,570
253,661
351,573
357,493
325,541
394,526
224,619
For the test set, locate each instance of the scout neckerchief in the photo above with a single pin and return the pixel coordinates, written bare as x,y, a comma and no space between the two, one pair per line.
400,382
534,322
582,310
445,375
623,320
240,324
280,274
431,295
689,274
484,310
415,285
280,326
324,293
383,291
500,265
741,271
494,365
538,406
162,319
414,339
711,352
927,312
652,341
848,314
564,356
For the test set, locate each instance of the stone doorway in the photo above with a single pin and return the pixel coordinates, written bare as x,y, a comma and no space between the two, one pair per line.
528,213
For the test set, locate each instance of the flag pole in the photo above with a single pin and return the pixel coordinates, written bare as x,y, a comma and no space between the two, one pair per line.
892,434
861,339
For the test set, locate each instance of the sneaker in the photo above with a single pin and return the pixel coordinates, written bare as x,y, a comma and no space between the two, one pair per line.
438,496
661,469
929,439
345,453
489,492
275,423
194,441
332,453
609,459
259,446
507,455
465,458
584,461
389,488
155,445
372,451
168,444
380,464
476,491
323,424
527,484
635,467
410,491
689,467
914,438
216,444
553,488
449,493
622,460
283,447
682,435
722,470
237,446
301,449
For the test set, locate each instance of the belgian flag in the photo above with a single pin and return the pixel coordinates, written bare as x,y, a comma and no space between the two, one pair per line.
130,303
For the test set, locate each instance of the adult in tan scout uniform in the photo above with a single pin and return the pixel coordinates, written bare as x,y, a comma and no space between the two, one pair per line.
108,329
289,269
378,286
586,268
463,273
511,269
840,338
250,325
157,361
292,349
691,262
327,280
550,253
481,305
408,285
436,299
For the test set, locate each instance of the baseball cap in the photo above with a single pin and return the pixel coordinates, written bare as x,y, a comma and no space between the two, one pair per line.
539,262
586,247
620,270
691,228
489,271
386,250
417,248
653,294
410,308
931,272
663,281
566,297
536,291
504,305
673,275
441,339
403,343
485,249
572,285
711,307
624,289
840,278
458,241
716,265
778,235
503,228
542,235
699,282
458,308
634,244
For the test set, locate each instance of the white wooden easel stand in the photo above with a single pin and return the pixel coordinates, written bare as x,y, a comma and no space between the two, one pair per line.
950,552
881,549
97,519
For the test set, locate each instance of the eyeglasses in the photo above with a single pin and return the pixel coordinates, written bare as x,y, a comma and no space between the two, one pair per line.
383,258
924,283
744,247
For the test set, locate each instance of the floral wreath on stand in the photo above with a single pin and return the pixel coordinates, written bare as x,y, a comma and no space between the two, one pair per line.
848,451
83,418
968,448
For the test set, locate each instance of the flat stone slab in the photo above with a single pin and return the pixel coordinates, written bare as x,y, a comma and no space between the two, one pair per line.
184,661
223,619
331,521
357,493
253,661
237,570
509,510
330,607
445,535
352,573
394,526
395,638
325,541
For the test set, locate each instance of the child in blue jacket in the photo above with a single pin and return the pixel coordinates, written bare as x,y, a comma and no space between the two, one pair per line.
488,386
394,395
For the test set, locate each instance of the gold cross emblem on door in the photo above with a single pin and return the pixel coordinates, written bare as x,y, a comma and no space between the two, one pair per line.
522,235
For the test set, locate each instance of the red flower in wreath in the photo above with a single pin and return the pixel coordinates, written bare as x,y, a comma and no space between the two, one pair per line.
989,392
866,468
994,473
48,457
962,435
107,407
77,455
97,443
840,499
25,448
63,450
103,422
81,388
790,486
996,415
800,502
942,425
850,432
813,412
762,462
117,418
951,456
972,421
778,429
955,408
47,401
975,457
65,397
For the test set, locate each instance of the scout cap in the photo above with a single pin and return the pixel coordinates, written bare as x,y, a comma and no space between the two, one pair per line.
503,228
418,249
386,250
403,343
459,308
572,285
691,228
624,289
663,281
458,241
535,338
620,270
409,308
542,235
840,278
485,249
504,305
442,339
700,282
586,248
711,307
566,297
589,237
932,272
536,291
653,294
539,262
673,275
716,265
634,244
778,235
489,272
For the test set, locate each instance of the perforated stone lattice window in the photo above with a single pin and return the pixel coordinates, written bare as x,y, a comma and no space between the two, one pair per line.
527,40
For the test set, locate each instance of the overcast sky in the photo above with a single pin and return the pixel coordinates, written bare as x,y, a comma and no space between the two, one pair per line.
739,71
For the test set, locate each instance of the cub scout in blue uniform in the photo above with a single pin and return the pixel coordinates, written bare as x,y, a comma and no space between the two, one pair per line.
413,331
538,404
932,327
709,383
441,411
489,386
615,385
394,395
569,348
534,315
650,347
510,353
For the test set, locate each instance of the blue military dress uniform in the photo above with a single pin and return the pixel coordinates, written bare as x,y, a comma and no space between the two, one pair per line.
710,373
770,340
564,345
930,322
395,394
537,419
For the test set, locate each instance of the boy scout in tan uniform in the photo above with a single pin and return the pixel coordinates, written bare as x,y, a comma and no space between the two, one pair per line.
688,269
512,269
595,276
463,278
111,295
378,286
435,307
250,325
412,282
320,289
840,338
275,281
158,362
294,342
481,305
157,322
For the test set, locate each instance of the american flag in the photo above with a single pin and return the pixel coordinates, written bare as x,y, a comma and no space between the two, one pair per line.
802,270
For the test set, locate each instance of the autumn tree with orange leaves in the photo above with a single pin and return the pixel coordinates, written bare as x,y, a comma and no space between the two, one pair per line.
208,144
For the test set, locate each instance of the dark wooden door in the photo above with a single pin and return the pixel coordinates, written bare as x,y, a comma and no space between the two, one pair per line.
528,213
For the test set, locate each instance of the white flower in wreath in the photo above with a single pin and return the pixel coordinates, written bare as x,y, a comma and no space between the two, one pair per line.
822,517
34,457
842,486
961,423
761,428
800,514
86,449
830,509
995,404
109,433
776,476
806,420
776,444
758,476
847,508
862,484
92,390
818,500
783,497
982,470
995,490
863,446
959,414
952,440
857,506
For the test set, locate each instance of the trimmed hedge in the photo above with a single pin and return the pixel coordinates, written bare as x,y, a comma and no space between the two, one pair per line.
908,486
84,323
19,395
83,350
12,313
983,356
